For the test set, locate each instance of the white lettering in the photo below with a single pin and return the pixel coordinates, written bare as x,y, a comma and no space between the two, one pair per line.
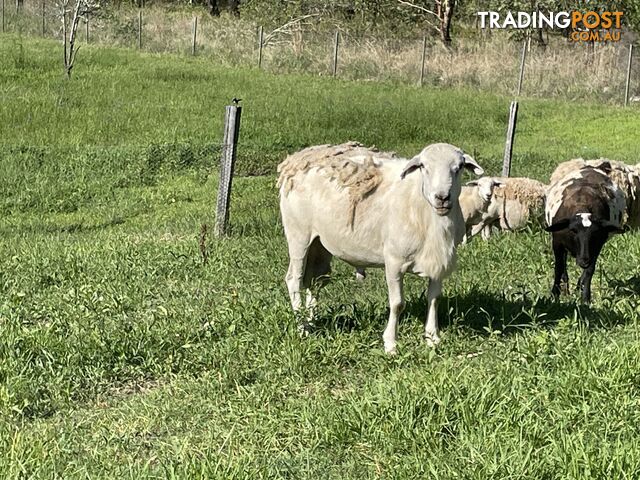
524,19
509,21
542,20
483,18
494,17
563,20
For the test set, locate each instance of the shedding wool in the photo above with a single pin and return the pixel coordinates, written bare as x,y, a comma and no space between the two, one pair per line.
626,178
353,167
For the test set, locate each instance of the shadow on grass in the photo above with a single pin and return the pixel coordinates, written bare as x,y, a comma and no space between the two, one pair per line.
76,227
480,311
629,287
485,312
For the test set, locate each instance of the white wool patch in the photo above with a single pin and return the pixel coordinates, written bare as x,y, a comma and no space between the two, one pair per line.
586,219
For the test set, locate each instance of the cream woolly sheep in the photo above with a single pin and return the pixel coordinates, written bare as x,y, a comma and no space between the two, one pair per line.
406,220
475,198
513,203
625,177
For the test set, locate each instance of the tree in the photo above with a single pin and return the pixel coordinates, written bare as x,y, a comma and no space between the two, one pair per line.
80,9
214,8
443,16
215,5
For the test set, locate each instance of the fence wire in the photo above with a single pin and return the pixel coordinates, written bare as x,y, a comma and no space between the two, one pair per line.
485,62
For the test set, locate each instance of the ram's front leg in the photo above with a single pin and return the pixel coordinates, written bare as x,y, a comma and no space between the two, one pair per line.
431,332
584,284
560,276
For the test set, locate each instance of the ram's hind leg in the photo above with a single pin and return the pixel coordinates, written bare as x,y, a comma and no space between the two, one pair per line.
394,276
298,252
317,269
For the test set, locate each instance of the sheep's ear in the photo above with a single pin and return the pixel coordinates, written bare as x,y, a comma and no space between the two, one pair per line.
605,167
498,183
472,183
612,228
471,164
413,165
559,225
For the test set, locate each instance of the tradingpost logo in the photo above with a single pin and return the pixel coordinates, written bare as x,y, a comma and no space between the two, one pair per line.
585,26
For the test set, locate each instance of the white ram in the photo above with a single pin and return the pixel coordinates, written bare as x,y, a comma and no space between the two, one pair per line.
373,210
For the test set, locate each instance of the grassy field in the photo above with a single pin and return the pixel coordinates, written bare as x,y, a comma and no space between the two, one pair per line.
382,51
122,355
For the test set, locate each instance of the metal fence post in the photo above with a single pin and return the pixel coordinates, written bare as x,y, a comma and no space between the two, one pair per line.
260,44
195,35
511,133
424,57
628,84
336,44
227,163
522,63
140,29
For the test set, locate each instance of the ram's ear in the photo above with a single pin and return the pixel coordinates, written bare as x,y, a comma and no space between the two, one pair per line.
472,183
471,164
559,225
413,165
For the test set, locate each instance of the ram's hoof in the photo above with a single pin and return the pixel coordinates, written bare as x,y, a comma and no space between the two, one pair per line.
304,329
431,339
390,349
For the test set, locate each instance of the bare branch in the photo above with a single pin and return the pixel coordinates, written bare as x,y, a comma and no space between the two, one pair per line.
286,27
418,7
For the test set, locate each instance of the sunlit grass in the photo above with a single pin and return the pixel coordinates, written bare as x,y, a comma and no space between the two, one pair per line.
123,355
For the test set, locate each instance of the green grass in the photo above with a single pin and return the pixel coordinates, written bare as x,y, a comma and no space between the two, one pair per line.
123,356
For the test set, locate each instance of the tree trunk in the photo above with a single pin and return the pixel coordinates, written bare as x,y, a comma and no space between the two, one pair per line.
234,7
214,9
540,38
446,16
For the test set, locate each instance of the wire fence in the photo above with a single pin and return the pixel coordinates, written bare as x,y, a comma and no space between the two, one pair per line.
480,61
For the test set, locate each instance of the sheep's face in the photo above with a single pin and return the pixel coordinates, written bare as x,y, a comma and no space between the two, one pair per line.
588,234
440,166
485,187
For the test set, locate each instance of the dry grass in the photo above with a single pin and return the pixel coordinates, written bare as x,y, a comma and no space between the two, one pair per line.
562,69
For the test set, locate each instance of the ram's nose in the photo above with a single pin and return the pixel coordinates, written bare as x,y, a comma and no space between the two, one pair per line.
442,203
443,197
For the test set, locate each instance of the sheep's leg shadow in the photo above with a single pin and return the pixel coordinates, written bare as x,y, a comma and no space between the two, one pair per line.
394,276
431,331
